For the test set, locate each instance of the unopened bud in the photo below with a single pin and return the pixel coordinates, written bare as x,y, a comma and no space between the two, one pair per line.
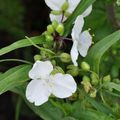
56,70
118,2
49,38
73,70
85,66
94,78
107,79
93,93
37,57
65,6
67,14
86,83
50,29
60,29
65,57
54,24
56,12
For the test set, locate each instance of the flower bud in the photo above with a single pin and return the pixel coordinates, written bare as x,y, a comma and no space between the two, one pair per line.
65,57
50,29
85,66
65,6
60,29
118,2
86,83
49,38
107,79
94,78
56,70
53,62
37,57
93,93
56,12
54,24
73,70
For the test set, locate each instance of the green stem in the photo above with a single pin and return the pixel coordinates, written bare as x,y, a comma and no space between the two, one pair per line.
58,105
18,108
16,60
40,48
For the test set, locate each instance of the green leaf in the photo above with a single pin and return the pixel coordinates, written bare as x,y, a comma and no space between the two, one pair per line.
96,52
89,114
82,6
112,85
46,111
14,77
22,43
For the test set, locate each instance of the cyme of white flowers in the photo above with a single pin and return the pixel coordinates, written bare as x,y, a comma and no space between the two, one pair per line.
48,77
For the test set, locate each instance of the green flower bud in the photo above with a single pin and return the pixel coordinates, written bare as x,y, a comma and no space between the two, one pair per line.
56,12
86,83
49,38
85,66
94,78
54,24
60,29
93,93
65,6
53,62
50,29
56,70
107,79
65,57
73,70
37,57
118,2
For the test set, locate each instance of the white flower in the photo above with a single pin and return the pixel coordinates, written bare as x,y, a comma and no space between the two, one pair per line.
81,40
57,4
43,84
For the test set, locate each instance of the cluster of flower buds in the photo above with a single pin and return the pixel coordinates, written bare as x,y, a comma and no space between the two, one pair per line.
53,29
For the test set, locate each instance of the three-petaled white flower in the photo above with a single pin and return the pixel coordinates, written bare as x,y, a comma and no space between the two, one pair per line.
57,4
43,84
81,40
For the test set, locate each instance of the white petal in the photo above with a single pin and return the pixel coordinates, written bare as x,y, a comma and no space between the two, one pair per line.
41,69
74,53
37,92
72,5
87,11
63,86
57,18
55,4
84,43
77,28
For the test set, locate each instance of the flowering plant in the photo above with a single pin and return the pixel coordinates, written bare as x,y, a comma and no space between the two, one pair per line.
66,79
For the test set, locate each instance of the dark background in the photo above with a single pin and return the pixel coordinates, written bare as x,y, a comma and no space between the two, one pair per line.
19,18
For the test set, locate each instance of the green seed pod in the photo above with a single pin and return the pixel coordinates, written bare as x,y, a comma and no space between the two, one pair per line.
65,6
107,79
65,57
49,38
56,70
85,66
54,24
94,78
53,62
37,57
60,29
56,12
50,29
